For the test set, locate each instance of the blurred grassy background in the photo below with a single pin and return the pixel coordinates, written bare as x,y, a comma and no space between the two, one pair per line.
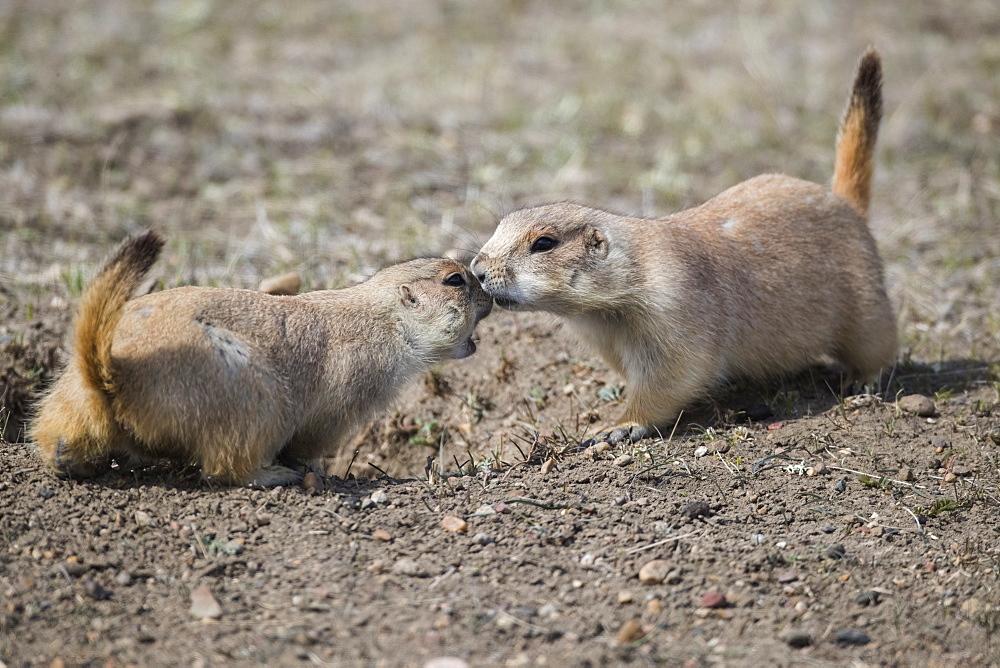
334,137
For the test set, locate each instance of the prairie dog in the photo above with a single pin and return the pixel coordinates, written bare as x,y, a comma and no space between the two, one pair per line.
228,379
765,278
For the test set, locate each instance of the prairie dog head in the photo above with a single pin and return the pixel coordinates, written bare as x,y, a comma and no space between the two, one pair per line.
558,258
439,302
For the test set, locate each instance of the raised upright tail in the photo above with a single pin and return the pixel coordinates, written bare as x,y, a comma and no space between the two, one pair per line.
852,174
102,305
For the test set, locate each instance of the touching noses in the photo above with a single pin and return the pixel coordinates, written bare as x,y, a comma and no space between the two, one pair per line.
478,267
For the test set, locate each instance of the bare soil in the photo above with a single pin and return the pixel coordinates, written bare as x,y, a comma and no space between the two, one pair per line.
786,524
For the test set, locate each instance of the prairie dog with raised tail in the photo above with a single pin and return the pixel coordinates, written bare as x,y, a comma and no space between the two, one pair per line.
227,379
765,278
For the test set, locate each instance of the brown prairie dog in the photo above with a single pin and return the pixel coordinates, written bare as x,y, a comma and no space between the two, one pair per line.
763,279
228,379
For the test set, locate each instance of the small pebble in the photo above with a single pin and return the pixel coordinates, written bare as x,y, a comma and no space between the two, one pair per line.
654,606
623,460
713,598
852,637
124,578
828,529
143,519
624,597
701,451
696,509
917,404
548,466
45,492
758,539
203,603
950,477
797,638
841,485
867,598
380,497
454,524
408,567
446,662
367,503
382,535
629,632
482,539
837,551
96,591
654,572
485,509
601,446
312,482
788,576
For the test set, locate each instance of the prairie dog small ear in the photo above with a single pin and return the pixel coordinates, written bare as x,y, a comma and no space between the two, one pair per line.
597,242
408,297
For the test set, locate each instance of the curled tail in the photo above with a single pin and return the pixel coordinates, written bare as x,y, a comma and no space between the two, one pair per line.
102,304
852,174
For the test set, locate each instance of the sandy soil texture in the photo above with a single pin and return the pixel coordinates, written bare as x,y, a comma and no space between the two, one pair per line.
780,523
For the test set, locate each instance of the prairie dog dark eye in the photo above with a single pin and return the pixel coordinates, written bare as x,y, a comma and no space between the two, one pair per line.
543,244
455,280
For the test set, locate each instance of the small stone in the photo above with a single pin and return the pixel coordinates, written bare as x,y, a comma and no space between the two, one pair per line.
144,519
568,389
446,662
124,578
758,539
852,637
454,524
701,451
623,460
624,597
285,284
380,497
630,631
713,598
974,608
408,567
482,539
312,482
654,606
485,509
261,518
788,576
867,598
950,477
548,466
601,446
837,551
96,591
203,603
819,469
45,492
917,404
696,509
797,638
382,535
367,503
654,572
906,474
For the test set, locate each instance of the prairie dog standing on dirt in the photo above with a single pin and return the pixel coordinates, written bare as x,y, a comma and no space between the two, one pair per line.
228,378
763,279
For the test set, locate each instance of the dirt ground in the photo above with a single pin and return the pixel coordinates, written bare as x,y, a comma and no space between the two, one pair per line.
778,524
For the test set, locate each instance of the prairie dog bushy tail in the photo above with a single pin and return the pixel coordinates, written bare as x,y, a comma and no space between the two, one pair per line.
102,304
75,425
852,174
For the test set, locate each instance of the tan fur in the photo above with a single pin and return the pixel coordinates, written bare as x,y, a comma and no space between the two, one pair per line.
227,378
763,279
